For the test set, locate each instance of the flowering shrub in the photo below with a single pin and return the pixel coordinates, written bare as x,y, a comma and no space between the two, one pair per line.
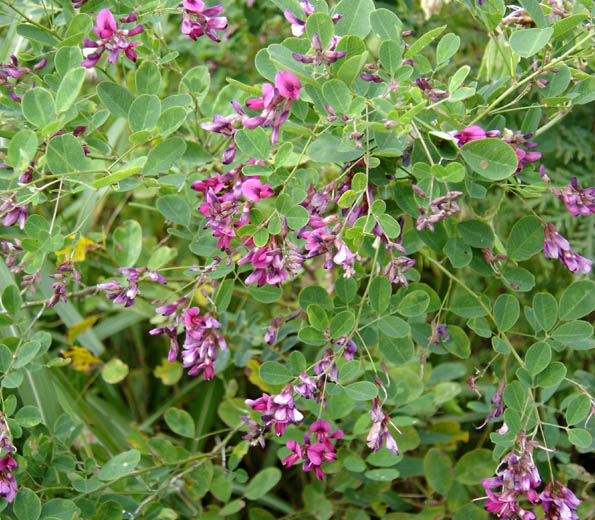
332,260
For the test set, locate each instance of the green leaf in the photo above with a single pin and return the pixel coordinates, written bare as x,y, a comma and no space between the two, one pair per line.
349,371
336,94
170,120
297,217
379,293
144,112
196,81
262,483
38,107
396,350
69,88
254,143
573,331
175,208
424,41
390,54
458,252
27,505
491,158
317,317
315,294
514,396
321,24
21,150
394,326
535,11
28,416
528,42
11,299
275,373
474,466
342,324
507,311
128,243
26,353
526,239
37,34
311,336
578,409
577,300
565,25
386,24
476,233
266,293
438,470
65,154
447,47
458,343
350,69
580,437
545,310
180,422
119,466
389,225
382,475
330,149
538,357
518,278
361,391
346,289
114,371
116,99
147,78
67,58
298,362
414,303
356,17
164,155
552,375
457,78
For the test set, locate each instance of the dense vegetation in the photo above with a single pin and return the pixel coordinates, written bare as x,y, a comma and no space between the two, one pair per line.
283,259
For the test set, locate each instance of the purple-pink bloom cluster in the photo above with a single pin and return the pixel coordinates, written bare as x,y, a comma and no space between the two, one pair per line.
278,410
578,201
321,56
8,483
314,454
11,212
559,505
556,246
111,38
127,294
198,20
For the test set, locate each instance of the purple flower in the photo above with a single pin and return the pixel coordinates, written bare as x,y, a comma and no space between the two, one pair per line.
556,246
273,264
10,213
298,26
472,133
253,189
8,484
498,402
198,20
326,57
439,209
396,269
379,433
578,201
255,432
307,386
559,505
174,345
314,455
278,409
200,346
111,38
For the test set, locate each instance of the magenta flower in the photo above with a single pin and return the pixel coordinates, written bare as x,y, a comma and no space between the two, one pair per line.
111,38
556,246
578,201
273,264
279,410
198,20
200,346
328,56
559,505
8,484
253,189
472,133
314,455
275,103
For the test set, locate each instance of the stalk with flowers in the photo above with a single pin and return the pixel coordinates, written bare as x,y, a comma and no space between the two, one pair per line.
330,260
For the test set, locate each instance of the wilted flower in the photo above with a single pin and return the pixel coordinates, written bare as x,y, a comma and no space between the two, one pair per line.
198,20
315,454
298,26
559,505
396,268
327,57
556,246
498,402
379,433
111,38
255,432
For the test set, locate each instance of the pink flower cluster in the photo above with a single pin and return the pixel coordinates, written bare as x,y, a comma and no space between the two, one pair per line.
279,410
556,246
578,201
198,20
8,484
127,294
314,454
111,39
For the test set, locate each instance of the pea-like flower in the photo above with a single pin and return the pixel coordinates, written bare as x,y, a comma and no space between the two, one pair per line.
198,20
8,484
556,246
111,38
